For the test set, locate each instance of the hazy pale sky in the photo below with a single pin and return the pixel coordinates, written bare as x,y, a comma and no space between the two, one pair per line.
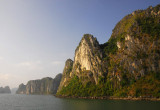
37,36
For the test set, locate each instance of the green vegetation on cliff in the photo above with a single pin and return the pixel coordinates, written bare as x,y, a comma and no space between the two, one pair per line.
77,88
148,86
130,61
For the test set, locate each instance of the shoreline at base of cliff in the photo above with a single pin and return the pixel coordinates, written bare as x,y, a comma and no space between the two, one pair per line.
112,98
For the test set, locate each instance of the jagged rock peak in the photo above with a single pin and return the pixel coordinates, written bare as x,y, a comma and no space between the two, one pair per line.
58,76
46,78
87,64
68,66
89,37
89,40
88,57
68,61
21,89
66,73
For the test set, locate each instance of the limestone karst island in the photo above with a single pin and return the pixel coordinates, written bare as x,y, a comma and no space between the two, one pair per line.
126,66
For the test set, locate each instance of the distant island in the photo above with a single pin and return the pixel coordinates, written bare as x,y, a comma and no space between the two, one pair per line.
42,86
5,89
125,67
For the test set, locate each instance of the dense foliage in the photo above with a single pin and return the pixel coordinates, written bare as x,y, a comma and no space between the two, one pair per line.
77,88
148,86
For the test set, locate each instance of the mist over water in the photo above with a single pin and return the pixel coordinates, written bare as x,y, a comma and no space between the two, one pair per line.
48,102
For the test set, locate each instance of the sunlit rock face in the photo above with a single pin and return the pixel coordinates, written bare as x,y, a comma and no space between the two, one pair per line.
87,64
88,58
43,86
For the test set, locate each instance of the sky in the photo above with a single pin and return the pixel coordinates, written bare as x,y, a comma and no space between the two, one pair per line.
38,36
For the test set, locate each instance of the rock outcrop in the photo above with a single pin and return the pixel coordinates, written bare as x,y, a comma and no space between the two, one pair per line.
88,59
21,89
43,86
87,64
66,73
6,89
127,65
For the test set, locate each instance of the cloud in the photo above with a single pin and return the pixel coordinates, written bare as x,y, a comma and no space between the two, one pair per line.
25,64
31,65
1,58
4,76
9,79
21,72
56,62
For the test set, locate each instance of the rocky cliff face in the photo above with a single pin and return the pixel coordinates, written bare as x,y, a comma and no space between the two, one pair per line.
6,89
88,59
21,89
87,64
66,74
44,86
127,65
136,46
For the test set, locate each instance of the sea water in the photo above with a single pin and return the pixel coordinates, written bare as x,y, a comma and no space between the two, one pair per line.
49,102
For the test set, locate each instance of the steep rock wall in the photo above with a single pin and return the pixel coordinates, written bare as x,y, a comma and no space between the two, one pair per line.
43,86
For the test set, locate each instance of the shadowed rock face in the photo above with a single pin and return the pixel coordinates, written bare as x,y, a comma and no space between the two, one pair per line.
66,73
5,89
43,86
21,89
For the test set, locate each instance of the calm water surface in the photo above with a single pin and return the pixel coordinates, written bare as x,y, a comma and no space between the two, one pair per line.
47,102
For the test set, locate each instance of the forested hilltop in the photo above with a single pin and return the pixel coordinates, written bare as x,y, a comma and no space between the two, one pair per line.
127,65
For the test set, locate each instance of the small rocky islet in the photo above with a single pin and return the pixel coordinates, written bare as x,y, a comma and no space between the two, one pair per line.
5,89
127,66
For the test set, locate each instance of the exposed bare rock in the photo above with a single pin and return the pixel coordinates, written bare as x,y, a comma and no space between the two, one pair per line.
66,73
42,86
